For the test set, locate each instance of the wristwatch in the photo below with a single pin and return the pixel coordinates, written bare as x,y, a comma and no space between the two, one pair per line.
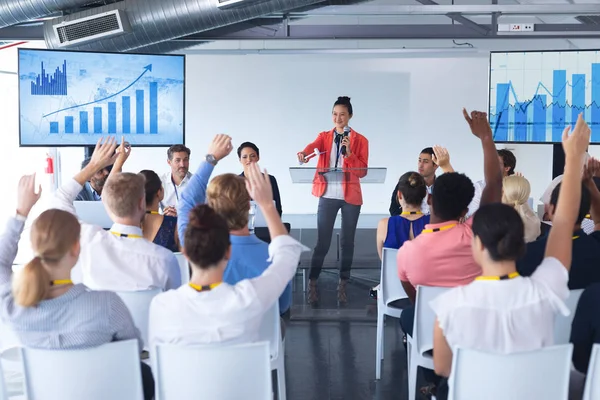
211,159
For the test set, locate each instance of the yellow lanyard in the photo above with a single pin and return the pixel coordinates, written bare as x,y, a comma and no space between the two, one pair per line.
126,235
61,282
575,237
411,213
152,212
497,278
441,228
204,288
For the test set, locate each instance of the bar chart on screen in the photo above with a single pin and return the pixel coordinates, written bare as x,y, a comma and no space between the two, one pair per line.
73,98
535,95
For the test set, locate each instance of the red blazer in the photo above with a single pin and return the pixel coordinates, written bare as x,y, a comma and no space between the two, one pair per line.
359,147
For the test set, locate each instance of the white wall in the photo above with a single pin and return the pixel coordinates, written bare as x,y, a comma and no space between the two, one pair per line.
281,102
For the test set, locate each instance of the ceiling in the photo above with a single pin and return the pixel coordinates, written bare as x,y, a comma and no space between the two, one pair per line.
397,26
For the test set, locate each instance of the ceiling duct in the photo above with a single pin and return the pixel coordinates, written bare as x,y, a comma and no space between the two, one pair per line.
156,21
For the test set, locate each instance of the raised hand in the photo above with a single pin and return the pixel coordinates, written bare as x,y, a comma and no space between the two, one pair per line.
220,146
479,124
26,195
576,144
104,153
124,150
441,157
259,186
591,169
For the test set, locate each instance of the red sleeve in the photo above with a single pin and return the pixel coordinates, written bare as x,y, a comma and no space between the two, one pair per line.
360,158
318,143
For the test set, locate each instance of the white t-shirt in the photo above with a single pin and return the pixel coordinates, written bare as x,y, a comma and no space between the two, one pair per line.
334,189
505,316
474,206
173,191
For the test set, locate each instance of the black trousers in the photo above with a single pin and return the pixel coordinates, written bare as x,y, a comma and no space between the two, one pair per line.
326,215
147,382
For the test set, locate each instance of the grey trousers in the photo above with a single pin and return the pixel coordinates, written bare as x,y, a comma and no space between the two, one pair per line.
326,215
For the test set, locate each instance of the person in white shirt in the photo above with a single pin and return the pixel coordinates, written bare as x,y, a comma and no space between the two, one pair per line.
208,310
119,259
174,182
500,311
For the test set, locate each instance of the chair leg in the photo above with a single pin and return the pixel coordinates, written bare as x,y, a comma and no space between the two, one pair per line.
379,349
412,378
281,395
304,280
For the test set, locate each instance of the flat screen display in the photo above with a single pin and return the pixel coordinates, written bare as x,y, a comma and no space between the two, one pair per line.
69,98
533,96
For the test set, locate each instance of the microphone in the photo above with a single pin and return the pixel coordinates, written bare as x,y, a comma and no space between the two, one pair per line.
346,133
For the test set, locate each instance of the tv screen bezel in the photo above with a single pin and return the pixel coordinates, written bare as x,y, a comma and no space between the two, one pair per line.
103,135
490,83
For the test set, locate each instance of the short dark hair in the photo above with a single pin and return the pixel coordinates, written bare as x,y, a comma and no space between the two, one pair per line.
413,188
584,204
206,237
452,194
247,144
152,186
87,160
344,101
177,148
508,159
501,231
428,150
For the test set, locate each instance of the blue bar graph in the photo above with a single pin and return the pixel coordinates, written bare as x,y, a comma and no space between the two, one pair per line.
502,90
577,95
83,122
97,119
521,122
68,124
126,114
539,119
50,85
139,111
559,103
153,107
112,117
53,127
595,105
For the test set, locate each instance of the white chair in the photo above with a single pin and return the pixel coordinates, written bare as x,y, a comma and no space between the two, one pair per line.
592,381
3,389
138,304
539,374
270,331
110,371
562,324
184,268
219,372
421,342
390,290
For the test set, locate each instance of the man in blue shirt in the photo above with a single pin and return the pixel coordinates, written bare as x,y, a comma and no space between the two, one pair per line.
92,190
228,196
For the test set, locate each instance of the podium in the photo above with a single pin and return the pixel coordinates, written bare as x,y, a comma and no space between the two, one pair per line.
302,174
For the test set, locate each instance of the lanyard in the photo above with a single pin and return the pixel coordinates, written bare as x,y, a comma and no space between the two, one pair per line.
153,212
497,278
126,235
61,282
204,288
411,213
441,228
338,153
175,188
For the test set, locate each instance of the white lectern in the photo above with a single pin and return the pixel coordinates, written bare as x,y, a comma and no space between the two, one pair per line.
309,174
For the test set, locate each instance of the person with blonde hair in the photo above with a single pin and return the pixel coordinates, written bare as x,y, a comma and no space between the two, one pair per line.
44,308
516,191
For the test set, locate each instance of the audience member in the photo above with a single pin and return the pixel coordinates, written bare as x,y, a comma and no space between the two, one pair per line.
392,232
248,153
585,330
207,310
585,248
174,182
515,193
227,196
92,189
157,228
119,259
501,311
426,168
44,308
508,163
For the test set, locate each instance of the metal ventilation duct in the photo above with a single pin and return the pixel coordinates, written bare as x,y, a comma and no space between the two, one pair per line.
14,12
156,21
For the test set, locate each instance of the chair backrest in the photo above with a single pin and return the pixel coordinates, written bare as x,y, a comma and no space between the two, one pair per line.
592,381
562,324
3,389
110,371
391,287
270,330
138,304
184,268
538,374
424,317
215,372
